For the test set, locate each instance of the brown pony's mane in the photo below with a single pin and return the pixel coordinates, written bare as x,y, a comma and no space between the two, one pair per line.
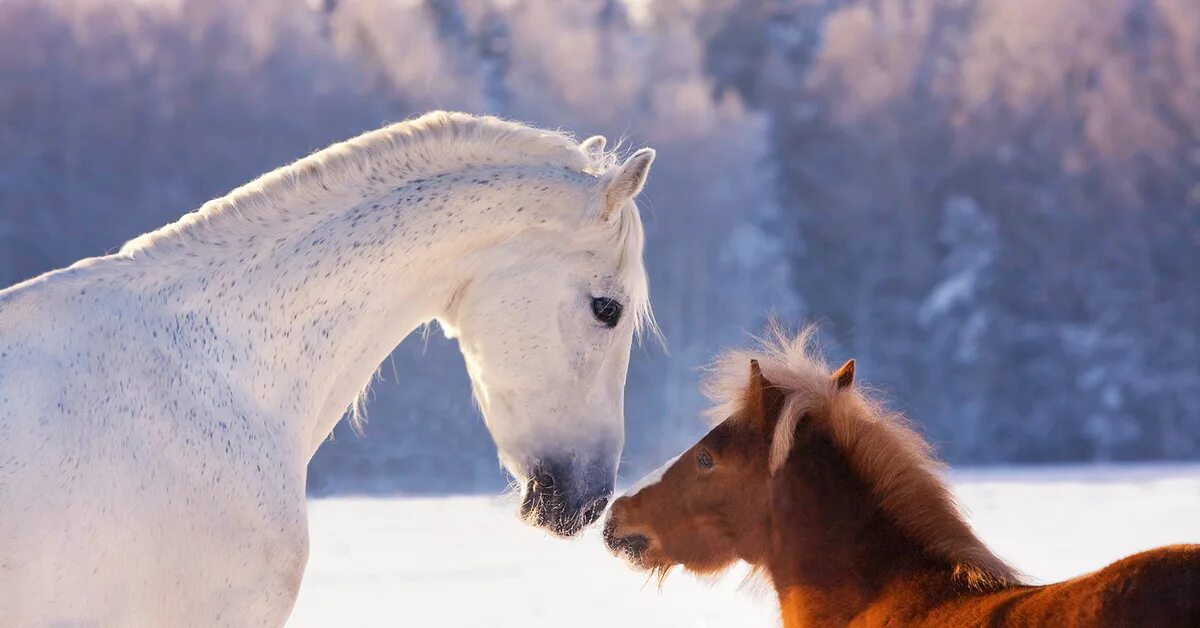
889,455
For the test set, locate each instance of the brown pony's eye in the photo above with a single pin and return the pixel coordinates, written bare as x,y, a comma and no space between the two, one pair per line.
704,459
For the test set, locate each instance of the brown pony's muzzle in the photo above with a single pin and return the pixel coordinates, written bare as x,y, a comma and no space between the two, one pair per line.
625,544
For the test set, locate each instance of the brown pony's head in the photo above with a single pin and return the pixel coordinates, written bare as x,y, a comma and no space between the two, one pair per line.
807,431
710,506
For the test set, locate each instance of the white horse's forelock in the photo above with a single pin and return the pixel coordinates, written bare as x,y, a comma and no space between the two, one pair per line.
630,238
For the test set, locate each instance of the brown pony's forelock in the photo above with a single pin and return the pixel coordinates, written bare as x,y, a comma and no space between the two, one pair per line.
895,461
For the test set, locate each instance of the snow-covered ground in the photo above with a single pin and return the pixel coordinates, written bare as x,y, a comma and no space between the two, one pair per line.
467,561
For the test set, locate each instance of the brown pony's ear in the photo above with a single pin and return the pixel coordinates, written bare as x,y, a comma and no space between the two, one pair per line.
844,377
764,400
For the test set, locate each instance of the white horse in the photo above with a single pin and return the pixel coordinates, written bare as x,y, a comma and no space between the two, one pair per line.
159,406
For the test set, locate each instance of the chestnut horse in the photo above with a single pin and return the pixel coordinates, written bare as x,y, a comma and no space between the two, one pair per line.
841,505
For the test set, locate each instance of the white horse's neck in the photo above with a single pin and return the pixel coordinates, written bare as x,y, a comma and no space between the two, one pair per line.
325,301
313,296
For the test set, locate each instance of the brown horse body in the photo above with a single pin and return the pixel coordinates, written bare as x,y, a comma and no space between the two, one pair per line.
837,560
839,503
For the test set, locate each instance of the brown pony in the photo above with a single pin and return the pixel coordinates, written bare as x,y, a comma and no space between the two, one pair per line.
841,505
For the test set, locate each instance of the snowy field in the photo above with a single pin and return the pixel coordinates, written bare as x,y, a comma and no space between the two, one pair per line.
467,561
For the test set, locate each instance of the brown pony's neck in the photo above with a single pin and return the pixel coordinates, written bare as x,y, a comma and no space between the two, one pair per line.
833,551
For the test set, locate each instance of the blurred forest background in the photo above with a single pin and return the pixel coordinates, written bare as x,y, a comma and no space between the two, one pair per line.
993,204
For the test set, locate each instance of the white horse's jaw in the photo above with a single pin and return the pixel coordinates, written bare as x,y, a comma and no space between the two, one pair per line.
562,439
548,370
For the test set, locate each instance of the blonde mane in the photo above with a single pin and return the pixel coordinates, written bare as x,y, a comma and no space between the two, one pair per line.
432,144
894,460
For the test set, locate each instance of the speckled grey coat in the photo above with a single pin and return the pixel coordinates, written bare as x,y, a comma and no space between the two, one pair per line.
159,406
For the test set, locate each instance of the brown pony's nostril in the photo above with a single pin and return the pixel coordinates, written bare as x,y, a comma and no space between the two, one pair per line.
636,544
631,545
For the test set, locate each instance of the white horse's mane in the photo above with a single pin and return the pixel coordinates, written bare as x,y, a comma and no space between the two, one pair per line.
432,144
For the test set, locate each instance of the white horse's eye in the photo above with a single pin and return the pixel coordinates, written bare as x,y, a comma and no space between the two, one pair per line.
606,310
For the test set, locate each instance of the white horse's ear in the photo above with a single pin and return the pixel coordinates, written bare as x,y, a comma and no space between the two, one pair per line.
623,183
593,145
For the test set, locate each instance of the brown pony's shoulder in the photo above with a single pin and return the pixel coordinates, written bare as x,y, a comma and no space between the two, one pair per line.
1167,576
1168,556
1158,587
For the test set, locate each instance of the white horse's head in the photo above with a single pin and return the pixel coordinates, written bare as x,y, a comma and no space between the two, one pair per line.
546,328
